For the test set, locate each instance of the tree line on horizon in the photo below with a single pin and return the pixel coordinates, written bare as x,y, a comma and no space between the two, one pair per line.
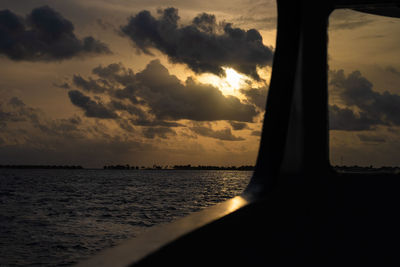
178,167
353,168
9,166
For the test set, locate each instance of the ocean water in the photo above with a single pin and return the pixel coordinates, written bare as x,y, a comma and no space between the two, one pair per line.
59,217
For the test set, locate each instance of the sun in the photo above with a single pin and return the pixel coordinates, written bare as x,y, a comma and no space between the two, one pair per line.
233,78
229,85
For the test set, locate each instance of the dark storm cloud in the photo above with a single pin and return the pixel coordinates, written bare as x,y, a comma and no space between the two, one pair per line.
162,132
88,85
256,96
204,22
238,125
149,122
116,75
224,134
345,119
374,107
169,99
156,97
139,116
131,109
44,35
92,108
204,45
115,72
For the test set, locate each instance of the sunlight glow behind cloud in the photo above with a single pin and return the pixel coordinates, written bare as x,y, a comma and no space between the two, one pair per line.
230,84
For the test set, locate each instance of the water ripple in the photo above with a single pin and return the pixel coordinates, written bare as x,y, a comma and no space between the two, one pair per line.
59,217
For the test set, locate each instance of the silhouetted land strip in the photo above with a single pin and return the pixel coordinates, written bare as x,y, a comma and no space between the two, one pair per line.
74,167
370,169
344,169
179,167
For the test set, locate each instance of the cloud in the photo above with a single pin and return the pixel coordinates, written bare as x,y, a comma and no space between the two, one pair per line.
204,45
139,116
374,107
88,85
162,132
16,111
4,117
345,119
131,109
265,22
224,134
256,96
92,108
238,125
114,72
30,136
16,102
44,35
67,128
22,112
156,97
169,99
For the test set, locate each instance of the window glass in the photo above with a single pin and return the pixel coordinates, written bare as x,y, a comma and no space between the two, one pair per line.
364,90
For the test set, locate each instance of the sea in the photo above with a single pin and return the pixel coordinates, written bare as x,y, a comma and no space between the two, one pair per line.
56,217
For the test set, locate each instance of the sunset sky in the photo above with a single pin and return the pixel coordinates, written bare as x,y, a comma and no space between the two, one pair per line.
146,82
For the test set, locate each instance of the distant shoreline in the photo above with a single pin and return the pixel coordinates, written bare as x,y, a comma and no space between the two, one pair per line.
128,167
181,167
70,167
343,169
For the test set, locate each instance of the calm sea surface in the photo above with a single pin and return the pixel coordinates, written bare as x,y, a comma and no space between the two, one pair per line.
59,217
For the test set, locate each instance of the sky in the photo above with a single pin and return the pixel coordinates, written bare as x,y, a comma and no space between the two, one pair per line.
146,82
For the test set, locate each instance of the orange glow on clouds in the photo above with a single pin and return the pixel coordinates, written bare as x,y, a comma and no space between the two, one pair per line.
229,85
